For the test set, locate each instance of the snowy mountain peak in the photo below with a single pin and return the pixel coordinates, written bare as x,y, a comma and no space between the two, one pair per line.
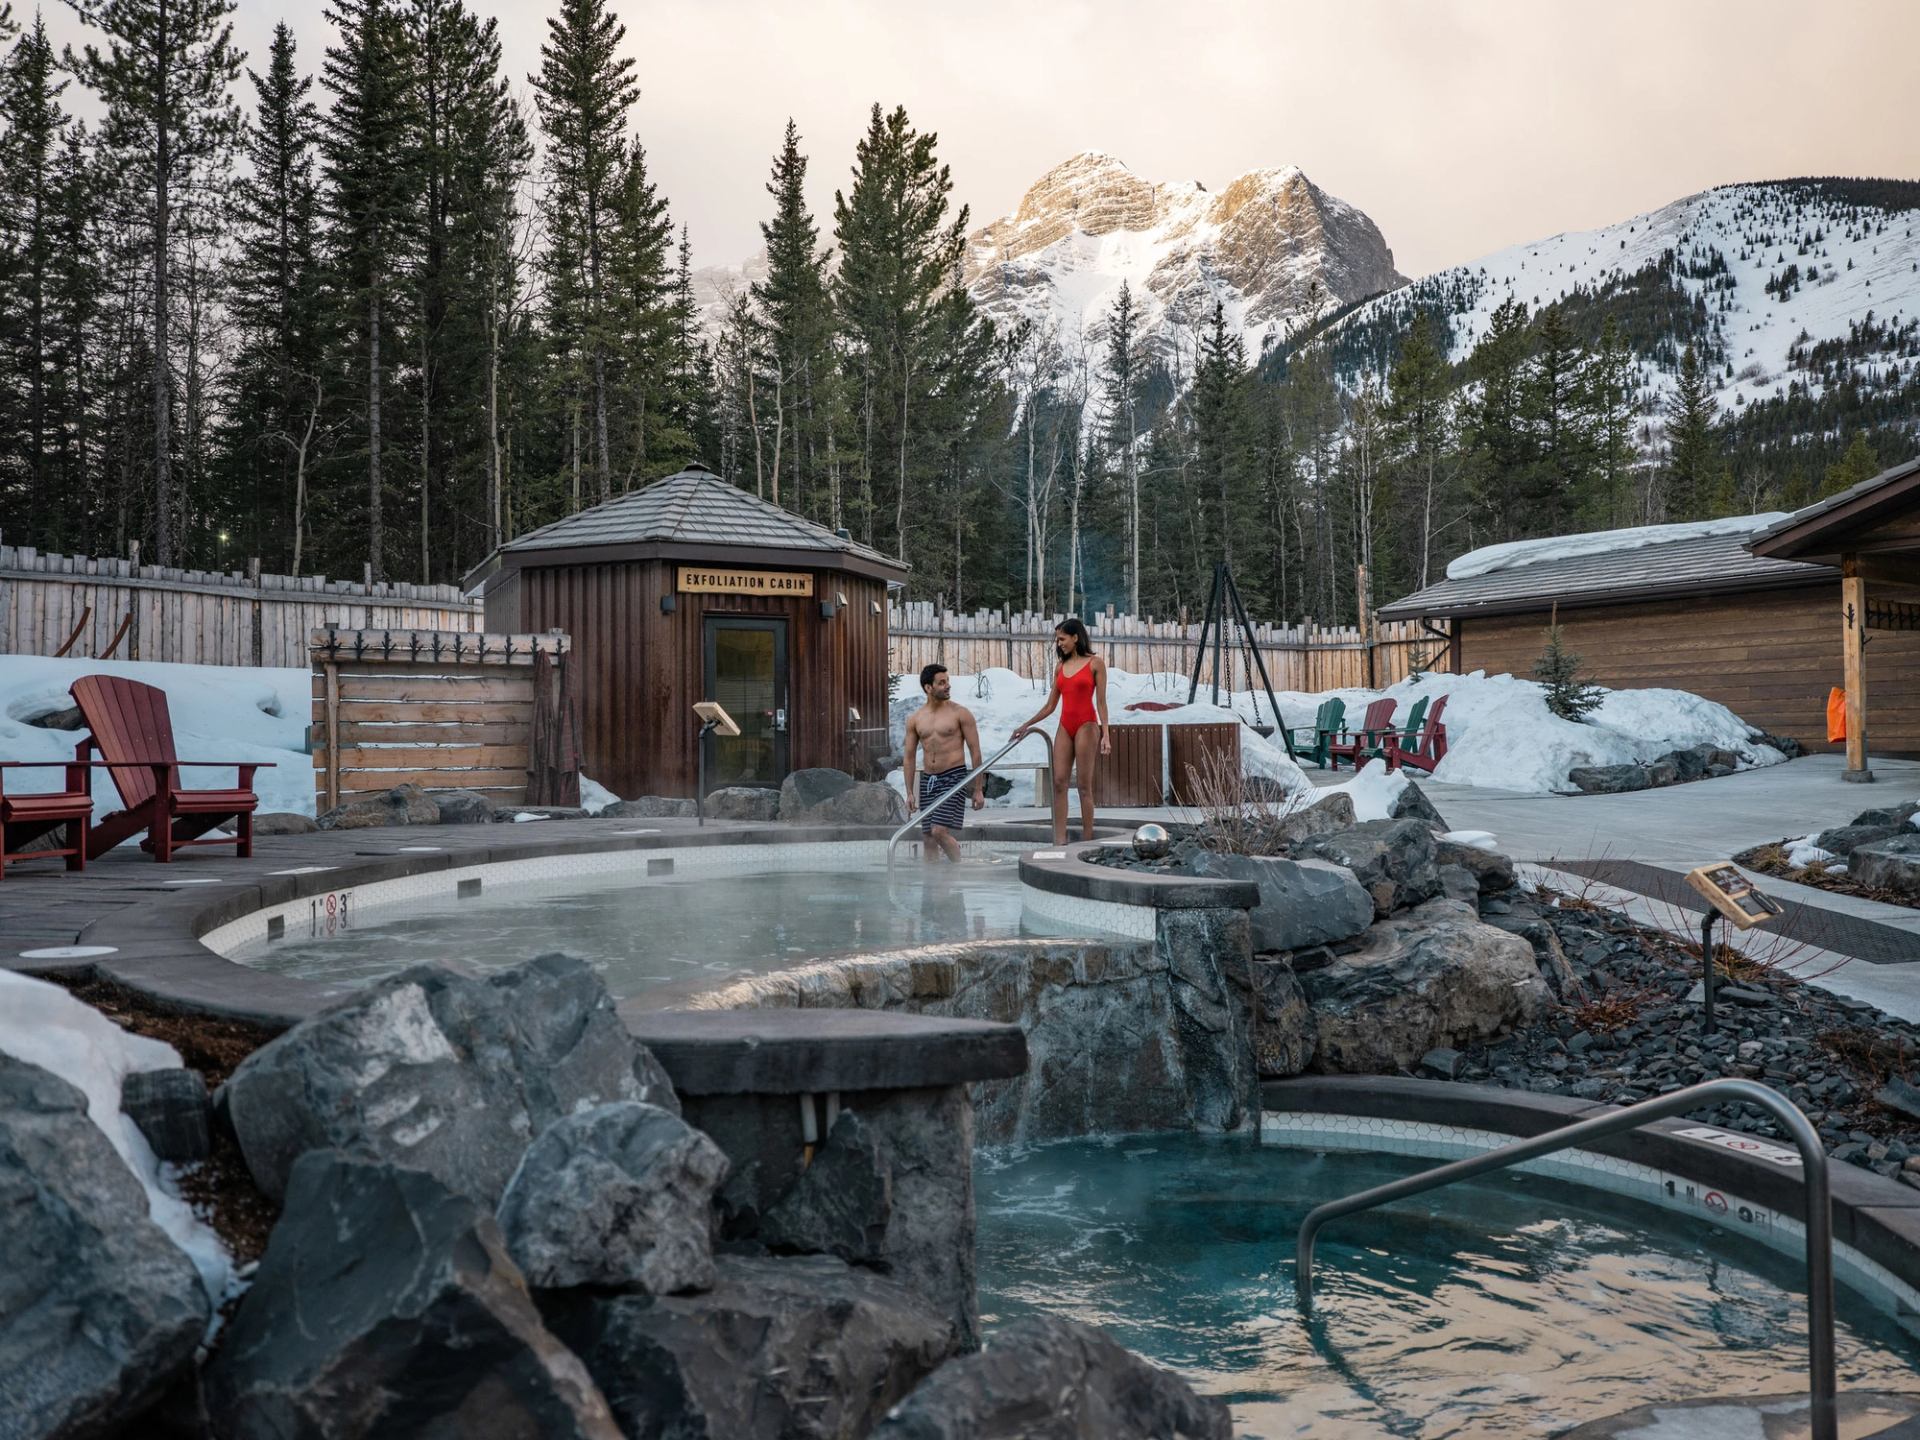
1272,247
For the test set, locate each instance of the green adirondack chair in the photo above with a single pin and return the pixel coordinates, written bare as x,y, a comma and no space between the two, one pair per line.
1310,741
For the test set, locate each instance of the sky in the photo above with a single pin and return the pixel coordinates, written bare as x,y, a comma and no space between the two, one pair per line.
1460,126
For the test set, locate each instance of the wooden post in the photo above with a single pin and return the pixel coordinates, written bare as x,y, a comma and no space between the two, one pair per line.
1853,611
333,735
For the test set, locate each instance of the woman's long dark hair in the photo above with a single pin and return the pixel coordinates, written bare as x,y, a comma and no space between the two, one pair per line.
1071,626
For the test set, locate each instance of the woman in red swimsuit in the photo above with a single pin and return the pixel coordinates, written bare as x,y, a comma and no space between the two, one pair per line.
1079,686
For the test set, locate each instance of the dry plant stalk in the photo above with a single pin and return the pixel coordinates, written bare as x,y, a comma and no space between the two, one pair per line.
1236,818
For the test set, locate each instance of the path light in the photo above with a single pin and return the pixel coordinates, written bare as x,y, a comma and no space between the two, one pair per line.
1151,842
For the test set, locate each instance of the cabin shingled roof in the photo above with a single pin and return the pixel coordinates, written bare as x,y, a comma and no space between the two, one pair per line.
1713,564
1863,490
693,507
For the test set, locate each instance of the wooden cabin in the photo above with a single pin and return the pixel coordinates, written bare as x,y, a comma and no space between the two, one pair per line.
1754,619
692,589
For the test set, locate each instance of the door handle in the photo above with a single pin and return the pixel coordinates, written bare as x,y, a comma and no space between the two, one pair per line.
780,721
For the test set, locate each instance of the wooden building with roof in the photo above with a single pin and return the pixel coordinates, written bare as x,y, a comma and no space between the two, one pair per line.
691,589
1759,620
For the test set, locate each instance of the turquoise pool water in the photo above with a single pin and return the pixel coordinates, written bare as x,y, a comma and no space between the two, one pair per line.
1514,1306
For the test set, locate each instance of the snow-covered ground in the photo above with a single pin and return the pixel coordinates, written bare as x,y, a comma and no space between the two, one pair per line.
219,712
1500,733
45,1026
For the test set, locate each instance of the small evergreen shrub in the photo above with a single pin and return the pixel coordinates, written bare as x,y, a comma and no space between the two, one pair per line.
1558,668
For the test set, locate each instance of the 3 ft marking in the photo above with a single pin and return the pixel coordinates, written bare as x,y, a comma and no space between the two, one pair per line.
329,914
1744,1144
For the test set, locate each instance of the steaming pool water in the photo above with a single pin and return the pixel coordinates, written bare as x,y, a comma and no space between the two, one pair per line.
1516,1305
717,914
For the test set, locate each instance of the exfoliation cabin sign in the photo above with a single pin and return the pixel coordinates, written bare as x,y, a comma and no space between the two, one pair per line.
700,580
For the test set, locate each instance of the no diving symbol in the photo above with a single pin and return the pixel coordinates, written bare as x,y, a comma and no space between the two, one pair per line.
1715,1202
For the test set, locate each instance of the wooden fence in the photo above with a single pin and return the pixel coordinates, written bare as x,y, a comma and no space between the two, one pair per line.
1304,657
444,710
121,610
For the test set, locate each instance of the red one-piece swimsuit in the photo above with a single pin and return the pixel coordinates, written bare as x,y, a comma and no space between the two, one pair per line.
1076,698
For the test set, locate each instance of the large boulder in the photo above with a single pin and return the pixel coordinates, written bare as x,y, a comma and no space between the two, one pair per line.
402,805
1392,859
283,822
1843,840
621,1196
1043,1378
170,1108
1430,979
1302,902
1321,817
805,1347
1898,816
1284,1028
1492,871
1609,779
651,807
842,1204
463,807
1889,865
743,802
99,1310
387,1305
441,1070
1412,804
833,797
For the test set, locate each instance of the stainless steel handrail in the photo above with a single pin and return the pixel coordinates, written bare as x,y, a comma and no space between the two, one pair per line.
1813,1164
959,785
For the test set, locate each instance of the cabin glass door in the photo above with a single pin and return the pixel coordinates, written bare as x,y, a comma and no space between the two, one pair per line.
746,671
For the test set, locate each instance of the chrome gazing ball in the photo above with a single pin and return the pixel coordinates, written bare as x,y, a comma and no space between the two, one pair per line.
1151,842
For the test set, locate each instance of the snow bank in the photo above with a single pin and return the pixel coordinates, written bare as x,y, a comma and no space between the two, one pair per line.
1516,553
1001,700
45,1026
1501,735
220,712
1373,791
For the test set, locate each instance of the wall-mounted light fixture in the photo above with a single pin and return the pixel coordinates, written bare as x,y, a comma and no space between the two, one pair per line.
668,604
875,605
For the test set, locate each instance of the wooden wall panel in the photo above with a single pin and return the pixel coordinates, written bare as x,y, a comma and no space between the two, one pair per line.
1193,748
1769,656
640,671
1133,774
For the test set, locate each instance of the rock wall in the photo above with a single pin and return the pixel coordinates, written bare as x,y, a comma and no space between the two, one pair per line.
1123,1037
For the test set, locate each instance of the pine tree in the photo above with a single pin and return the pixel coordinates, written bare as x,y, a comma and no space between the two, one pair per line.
1125,382
1420,418
165,78
584,90
370,151
1610,410
1499,440
1558,668
1857,464
32,128
1222,453
794,308
1556,405
1696,469
900,251
278,382
640,283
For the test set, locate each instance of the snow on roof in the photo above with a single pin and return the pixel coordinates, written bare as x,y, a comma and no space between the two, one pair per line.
1516,553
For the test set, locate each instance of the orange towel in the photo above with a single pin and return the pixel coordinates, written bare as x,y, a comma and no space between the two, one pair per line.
1836,715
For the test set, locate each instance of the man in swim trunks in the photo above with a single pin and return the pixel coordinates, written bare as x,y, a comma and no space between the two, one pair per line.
949,736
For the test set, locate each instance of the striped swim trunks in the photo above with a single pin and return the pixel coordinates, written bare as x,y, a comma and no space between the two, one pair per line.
952,811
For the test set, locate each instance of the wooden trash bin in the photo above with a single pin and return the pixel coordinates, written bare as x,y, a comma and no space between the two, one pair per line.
1133,774
1196,749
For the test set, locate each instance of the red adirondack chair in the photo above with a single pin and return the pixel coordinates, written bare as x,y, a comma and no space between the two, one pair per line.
1424,750
134,735
24,818
1364,741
